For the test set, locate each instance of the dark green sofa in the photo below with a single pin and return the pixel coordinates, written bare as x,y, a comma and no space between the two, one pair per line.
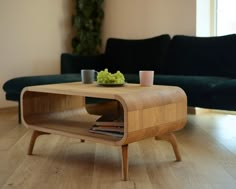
204,67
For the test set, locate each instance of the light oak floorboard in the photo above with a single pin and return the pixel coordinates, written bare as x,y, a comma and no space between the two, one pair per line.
207,145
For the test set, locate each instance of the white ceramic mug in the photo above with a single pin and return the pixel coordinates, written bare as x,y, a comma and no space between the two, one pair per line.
146,77
87,76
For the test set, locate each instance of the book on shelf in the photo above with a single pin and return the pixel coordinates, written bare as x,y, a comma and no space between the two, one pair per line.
109,124
108,133
110,120
109,128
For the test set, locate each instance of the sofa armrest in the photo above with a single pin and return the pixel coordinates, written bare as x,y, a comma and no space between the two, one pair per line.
73,63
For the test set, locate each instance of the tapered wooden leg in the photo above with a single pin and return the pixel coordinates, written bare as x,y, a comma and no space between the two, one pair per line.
125,162
34,136
171,139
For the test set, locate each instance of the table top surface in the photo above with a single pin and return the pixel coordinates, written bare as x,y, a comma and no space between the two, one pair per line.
95,90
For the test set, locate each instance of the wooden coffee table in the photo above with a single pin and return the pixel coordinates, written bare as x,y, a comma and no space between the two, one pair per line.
155,111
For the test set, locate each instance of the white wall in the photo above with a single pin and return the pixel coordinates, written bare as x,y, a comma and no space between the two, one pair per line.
33,33
145,18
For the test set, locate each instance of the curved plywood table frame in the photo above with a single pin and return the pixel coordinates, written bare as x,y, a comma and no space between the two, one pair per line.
155,111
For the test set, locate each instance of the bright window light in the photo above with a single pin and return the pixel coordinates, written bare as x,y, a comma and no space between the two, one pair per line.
226,17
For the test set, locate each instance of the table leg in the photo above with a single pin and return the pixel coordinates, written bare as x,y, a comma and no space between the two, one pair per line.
125,162
34,136
170,137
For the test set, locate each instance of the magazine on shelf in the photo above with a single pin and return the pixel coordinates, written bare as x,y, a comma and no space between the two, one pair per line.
109,124
109,128
111,120
108,133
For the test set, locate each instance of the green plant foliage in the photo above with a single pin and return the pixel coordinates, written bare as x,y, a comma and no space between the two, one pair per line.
88,21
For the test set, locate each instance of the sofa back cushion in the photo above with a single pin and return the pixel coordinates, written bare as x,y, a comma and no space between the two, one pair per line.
73,63
132,55
209,56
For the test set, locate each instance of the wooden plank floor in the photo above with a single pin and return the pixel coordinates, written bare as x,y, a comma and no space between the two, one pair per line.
207,145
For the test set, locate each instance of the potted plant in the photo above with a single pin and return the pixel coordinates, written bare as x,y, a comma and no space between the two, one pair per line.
88,21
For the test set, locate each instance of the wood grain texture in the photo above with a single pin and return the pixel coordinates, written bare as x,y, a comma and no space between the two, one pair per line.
34,137
146,109
207,145
148,112
125,162
170,137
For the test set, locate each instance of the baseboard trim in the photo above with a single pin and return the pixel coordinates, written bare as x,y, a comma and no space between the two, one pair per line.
196,110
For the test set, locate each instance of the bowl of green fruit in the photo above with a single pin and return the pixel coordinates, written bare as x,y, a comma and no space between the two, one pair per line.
105,78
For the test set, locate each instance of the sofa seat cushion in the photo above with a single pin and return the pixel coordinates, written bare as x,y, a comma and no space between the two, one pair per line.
14,86
224,95
197,88
132,55
131,78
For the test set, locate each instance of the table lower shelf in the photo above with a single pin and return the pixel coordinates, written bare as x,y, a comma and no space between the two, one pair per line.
72,127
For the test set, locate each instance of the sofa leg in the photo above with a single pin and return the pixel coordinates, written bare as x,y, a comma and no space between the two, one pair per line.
19,112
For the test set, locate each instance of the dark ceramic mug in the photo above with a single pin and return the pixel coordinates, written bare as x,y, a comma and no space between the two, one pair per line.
88,76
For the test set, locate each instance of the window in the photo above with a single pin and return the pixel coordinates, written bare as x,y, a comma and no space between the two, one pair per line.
225,17
206,17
